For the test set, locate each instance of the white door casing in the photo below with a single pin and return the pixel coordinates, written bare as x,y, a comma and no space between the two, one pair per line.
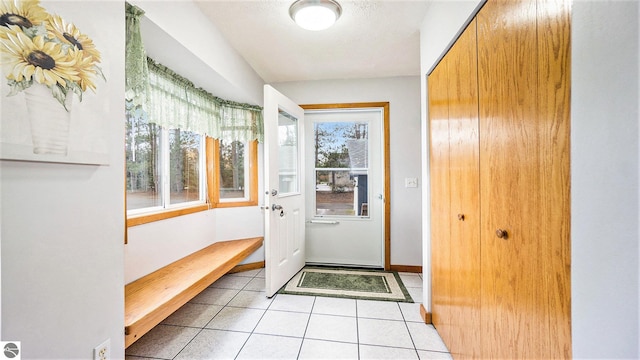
284,189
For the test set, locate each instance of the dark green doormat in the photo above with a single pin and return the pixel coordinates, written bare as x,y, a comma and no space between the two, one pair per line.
348,283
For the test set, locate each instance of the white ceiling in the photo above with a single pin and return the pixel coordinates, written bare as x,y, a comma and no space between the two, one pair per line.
371,39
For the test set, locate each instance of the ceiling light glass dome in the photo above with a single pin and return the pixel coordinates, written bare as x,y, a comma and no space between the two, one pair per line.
315,14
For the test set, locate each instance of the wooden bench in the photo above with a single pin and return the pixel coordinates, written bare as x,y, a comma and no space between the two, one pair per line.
150,299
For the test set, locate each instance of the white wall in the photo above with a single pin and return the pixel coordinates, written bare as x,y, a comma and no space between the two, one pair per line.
604,167
604,179
403,96
168,28
180,20
63,226
154,245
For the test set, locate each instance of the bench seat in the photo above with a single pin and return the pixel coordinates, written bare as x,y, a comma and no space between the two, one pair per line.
154,297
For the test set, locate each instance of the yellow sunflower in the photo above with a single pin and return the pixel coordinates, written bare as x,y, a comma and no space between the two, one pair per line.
23,13
69,34
44,62
87,72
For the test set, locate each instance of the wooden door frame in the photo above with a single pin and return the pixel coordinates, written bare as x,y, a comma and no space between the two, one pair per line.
387,162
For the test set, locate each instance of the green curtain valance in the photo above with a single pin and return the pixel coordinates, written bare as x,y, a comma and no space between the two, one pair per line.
175,102
166,98
136,72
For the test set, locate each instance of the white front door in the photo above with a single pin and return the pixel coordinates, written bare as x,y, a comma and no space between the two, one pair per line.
284,184
345,186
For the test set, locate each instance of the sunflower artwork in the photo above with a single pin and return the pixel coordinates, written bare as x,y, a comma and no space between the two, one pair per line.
50,60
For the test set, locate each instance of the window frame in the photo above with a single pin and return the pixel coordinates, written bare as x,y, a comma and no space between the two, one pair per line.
212,170
213,175
155,213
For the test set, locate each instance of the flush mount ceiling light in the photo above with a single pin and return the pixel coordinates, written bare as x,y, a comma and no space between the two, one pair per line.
315,14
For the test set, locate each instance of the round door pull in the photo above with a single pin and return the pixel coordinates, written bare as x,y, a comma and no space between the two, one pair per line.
461,217
502,234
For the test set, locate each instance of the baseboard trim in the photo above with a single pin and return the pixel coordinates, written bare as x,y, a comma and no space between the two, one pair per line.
406,268
247,267
426,316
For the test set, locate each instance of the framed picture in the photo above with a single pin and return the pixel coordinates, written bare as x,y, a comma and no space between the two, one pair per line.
53,83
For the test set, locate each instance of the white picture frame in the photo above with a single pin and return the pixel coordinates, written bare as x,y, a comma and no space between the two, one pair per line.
87,140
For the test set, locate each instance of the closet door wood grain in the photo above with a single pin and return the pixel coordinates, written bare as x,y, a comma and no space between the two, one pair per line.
514,319
465,201
523,59
440,199
554,98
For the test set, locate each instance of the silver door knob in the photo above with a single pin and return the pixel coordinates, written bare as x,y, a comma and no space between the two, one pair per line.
275,207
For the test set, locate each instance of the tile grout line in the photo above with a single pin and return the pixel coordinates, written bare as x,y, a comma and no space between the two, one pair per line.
304,335
258,322
409,331
357,329
205,326
196,327
202,329
285,309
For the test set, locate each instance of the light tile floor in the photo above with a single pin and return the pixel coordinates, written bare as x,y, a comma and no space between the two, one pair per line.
233,319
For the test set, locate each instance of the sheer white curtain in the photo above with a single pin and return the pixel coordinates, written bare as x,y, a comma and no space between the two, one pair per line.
173,102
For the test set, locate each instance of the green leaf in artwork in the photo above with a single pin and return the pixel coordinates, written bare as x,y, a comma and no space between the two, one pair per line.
60,94
39,30
75,88
16,86
99,71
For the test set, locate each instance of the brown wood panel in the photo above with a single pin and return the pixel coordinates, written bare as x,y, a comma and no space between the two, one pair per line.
152,298
425,315
515,297
465,201
406,268
507,78
163,215
554,98
440,201
247,267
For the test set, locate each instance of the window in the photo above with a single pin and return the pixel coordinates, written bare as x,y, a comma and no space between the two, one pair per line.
341,168
235,176
172,170
165,171
164,168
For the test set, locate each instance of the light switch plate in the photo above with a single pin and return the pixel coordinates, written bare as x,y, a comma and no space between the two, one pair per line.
411,182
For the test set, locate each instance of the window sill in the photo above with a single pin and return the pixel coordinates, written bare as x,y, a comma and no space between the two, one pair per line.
148,218
229,204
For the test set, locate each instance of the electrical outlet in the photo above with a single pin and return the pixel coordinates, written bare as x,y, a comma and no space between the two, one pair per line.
102,351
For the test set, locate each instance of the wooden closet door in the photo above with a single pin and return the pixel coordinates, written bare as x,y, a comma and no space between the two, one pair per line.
554,119
524,182
440,201
465,202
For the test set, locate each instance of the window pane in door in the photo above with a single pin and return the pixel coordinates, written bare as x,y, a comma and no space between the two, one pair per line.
342,168
184,166
288,153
